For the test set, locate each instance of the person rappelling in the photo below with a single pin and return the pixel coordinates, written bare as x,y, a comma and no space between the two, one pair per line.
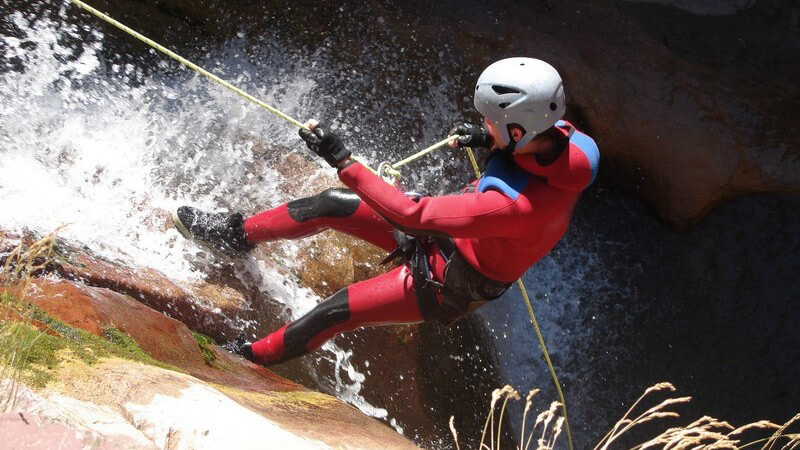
462,250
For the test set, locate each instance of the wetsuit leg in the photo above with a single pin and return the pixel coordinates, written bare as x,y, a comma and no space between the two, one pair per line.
339,209
383,300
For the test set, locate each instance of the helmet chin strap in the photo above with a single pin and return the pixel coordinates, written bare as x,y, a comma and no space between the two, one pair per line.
509,149
506,152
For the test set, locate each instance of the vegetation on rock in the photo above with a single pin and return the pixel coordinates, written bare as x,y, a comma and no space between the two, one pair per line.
41,347
203,342
32,343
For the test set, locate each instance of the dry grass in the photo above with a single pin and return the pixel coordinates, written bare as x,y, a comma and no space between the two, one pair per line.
17,268
547,427
706,433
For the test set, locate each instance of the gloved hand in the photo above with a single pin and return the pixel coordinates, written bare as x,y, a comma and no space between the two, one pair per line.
470,135
324,143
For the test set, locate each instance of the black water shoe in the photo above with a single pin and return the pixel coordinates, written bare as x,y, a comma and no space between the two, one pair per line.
242,347
221,231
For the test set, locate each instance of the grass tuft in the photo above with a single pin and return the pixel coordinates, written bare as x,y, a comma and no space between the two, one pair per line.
204,342
41,359
31,341
18,338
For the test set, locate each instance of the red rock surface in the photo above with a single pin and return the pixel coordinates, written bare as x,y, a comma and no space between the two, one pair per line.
144,284
162,337
415,402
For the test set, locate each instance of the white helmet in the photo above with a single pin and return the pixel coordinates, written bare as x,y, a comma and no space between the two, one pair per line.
524,91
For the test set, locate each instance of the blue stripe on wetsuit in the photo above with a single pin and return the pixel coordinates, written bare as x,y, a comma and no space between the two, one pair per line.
505,176
588,147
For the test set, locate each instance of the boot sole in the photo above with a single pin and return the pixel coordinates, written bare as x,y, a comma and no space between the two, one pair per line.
185,233
180,227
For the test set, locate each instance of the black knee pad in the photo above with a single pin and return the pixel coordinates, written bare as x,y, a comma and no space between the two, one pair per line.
328,203
329,313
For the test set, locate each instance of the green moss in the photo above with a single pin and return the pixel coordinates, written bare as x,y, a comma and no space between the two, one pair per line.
261,401
204,342
35,354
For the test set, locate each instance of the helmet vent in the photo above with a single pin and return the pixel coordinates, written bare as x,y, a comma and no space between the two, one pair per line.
504,90
553,106
504,104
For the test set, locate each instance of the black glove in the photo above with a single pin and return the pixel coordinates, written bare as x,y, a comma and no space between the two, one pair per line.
325,144
470,135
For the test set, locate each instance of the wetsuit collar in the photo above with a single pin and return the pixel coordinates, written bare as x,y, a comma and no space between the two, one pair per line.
529,162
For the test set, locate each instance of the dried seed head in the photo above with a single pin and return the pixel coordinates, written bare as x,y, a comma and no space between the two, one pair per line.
660,387
760,425
453,430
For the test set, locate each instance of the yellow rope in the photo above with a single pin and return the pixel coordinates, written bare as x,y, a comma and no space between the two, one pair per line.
424,152
298,124
547,359
535,327
391,169
473,162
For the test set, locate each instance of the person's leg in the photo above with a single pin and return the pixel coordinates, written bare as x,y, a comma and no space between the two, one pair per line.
338,209
383,300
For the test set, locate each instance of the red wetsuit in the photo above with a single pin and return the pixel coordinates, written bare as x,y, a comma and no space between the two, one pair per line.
500,226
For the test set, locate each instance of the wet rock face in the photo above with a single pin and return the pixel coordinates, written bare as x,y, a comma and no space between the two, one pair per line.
685,129
146,285
689,110
624,303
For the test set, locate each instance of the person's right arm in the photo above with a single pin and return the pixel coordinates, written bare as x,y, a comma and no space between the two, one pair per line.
473,215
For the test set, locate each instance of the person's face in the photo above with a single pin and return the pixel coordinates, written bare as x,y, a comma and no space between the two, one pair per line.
494,132
497,137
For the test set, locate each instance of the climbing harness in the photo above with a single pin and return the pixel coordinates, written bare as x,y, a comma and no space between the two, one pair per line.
389,172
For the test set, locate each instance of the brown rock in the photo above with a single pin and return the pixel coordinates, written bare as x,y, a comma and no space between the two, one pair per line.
221,295
302,177
331,261
93,309
163,338
146,285
154,399
143,284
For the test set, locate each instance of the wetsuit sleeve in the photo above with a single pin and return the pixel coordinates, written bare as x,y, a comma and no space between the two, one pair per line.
477,215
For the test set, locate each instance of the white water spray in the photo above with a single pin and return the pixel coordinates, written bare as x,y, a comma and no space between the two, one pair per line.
110,151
